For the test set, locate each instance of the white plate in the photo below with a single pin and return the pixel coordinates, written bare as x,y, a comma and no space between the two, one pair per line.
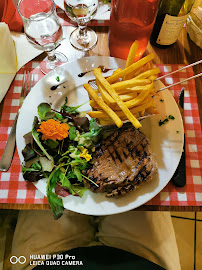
166,140
103,11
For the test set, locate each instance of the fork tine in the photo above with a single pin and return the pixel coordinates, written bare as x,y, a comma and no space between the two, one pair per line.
30,82
23,85
26,88
33,81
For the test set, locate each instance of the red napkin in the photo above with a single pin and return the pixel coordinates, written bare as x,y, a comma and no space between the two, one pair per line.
10,15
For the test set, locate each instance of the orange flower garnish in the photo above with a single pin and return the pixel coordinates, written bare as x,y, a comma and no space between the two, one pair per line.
53,130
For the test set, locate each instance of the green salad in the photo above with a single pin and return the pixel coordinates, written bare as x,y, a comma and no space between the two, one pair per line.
60,148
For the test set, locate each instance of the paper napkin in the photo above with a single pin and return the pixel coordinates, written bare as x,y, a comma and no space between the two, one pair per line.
15,51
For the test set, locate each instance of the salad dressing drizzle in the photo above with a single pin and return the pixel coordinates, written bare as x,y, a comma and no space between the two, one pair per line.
103,69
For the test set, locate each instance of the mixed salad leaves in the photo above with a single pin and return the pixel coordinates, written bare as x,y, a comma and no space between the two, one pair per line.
59,148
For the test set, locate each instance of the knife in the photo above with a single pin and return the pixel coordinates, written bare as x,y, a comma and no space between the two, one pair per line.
179,177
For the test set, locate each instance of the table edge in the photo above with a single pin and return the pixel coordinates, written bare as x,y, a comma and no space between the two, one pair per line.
171,208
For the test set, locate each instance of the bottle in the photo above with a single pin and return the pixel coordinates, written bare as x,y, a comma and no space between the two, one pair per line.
131,20
194,23
171,17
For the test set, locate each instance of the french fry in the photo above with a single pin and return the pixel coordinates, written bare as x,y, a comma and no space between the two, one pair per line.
130,83
131,54
106,121
126,94
129,96
103,115
134,73
112,92
94,105
148,73
105,96
129,69
103,105
137,100
127,91
151,110
152,77
136,89
117,70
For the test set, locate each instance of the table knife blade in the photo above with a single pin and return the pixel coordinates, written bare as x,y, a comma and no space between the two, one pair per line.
179,177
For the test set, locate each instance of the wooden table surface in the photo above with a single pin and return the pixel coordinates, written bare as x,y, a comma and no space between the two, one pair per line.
184,51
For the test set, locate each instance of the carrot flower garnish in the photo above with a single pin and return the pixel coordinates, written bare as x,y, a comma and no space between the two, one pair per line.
53,130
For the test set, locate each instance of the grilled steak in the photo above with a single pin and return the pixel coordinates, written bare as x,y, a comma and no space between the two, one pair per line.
122,163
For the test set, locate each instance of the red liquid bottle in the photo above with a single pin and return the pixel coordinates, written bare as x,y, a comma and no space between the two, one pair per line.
131,20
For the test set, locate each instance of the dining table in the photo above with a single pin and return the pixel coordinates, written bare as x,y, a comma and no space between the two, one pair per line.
171,198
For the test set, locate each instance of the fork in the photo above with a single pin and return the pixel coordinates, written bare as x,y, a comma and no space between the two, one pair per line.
5,162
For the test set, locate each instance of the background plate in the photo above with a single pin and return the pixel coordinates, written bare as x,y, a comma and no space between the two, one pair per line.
166,140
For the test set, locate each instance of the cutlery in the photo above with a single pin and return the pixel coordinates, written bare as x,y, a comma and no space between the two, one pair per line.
7,157
179,177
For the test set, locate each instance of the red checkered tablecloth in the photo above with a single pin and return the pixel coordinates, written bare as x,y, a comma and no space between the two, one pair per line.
13,188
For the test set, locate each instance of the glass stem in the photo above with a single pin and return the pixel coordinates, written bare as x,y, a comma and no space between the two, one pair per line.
51,59
51,55
82,30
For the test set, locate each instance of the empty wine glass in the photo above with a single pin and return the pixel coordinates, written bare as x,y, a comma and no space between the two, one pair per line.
43,30
82,11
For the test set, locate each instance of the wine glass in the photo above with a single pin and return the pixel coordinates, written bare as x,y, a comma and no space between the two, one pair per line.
82,11
43,30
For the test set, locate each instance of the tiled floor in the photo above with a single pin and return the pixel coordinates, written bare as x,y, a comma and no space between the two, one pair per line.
188,230
187,225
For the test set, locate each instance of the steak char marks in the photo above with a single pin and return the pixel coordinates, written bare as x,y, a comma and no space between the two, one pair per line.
122,163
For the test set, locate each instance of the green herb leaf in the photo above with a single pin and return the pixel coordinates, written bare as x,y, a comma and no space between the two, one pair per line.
171,117
72,133
78,174
94,130
35,135
59,116
56,204
51,144
43,108
57,78
79,190
25,169
66,108
50,115
69,109
166,120
90,180
36,166
81,163
54,201
66,183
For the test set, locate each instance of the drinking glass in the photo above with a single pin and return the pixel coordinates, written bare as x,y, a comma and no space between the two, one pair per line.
43,30
131,20
81,12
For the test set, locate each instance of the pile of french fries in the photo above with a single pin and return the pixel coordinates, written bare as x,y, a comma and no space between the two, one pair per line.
126,94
